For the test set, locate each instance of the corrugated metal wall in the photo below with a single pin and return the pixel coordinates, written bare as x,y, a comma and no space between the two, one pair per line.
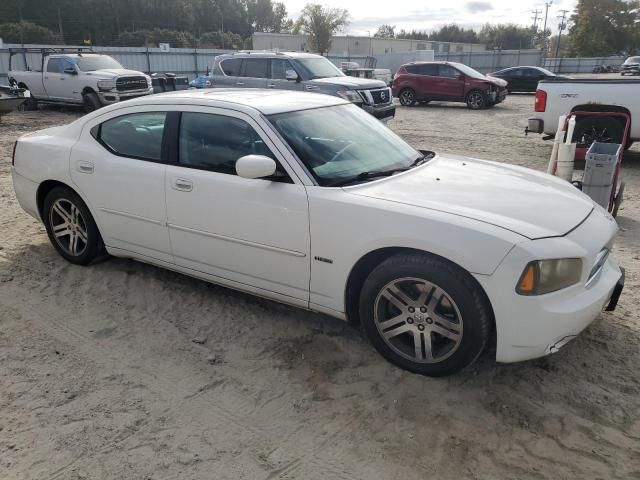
580,65
183,61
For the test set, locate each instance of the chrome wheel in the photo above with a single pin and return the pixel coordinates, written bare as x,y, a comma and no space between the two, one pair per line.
418,320
407,98
68,227
475,100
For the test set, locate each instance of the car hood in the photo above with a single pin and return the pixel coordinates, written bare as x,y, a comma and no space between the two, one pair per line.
532,204
108,74
497,81
349,82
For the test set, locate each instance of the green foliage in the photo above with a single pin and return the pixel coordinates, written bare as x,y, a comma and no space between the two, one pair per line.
605,27
140,22
448,33
319,24
26,32
507,36
385,31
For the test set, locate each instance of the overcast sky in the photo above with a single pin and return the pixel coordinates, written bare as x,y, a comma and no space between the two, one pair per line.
430,15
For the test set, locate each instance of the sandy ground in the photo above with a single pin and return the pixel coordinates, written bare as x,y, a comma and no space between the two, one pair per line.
126,371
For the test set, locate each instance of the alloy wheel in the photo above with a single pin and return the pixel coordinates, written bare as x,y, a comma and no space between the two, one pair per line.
68,227
407,98
476,100
418,320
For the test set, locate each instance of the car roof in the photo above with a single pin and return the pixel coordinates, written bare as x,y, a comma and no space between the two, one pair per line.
260,53
267,102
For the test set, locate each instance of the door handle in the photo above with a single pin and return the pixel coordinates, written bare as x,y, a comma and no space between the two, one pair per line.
85,167
240,83
182,184
271,85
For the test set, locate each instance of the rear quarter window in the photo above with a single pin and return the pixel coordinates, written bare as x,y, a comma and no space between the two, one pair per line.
137,135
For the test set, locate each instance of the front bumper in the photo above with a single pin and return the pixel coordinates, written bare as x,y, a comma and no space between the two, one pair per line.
533,326
107,98
381,112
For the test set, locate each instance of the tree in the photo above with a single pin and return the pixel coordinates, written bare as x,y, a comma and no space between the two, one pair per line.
507,36
267,16
605,27
386,31
320,24
26,32
454,33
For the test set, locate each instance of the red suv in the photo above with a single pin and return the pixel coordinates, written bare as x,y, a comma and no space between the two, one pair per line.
447,81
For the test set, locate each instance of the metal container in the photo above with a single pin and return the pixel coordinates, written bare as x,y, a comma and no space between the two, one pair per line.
599,170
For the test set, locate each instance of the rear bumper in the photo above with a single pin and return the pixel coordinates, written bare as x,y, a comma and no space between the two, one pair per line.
107,98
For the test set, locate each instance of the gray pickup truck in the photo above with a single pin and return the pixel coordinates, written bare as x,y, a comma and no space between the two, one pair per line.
76,77
305,72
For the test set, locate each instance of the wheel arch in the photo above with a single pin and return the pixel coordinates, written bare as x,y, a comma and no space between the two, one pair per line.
43,190
365,265
87,90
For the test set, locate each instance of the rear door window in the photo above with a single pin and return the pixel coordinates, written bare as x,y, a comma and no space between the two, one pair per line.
256,68
137,135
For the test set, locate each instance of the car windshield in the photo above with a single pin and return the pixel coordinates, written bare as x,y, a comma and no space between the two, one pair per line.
344,142
319,68
468,71
99,62
632,60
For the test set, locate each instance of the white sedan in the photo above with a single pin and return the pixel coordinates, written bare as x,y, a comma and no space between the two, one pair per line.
307,200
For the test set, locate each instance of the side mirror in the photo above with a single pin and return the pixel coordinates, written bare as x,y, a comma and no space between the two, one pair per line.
255,166
291,75
70,71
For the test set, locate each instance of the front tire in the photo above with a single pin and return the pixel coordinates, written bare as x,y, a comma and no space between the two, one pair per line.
407,97
476,100
91,102
425,314
70,226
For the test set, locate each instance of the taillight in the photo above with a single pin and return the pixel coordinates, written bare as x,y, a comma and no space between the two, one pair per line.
13,154
541,101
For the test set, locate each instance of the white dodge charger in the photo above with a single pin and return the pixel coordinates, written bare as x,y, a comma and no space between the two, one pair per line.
307,200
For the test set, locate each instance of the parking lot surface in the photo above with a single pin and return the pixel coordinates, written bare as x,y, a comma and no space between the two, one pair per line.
126,371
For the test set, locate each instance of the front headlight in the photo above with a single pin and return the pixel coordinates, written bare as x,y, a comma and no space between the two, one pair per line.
546,276
350,95
106,85
149,82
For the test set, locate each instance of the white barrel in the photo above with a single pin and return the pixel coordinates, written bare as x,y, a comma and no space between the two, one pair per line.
566,159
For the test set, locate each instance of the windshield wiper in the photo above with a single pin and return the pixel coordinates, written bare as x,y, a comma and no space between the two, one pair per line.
367,176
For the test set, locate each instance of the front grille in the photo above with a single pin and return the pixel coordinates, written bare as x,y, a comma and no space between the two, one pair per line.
381,96
124,84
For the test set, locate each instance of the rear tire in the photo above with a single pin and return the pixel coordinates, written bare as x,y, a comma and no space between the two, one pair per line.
476,100
425,314
407,97
71,228
91,102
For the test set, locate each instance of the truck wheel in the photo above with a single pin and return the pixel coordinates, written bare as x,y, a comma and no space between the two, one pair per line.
476,100
425,314
407,97
598,129
91,102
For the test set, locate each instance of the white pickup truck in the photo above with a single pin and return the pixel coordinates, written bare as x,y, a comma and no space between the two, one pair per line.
79,78
561,97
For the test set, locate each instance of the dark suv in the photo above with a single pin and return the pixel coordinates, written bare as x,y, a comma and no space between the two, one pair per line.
304,72
448,81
